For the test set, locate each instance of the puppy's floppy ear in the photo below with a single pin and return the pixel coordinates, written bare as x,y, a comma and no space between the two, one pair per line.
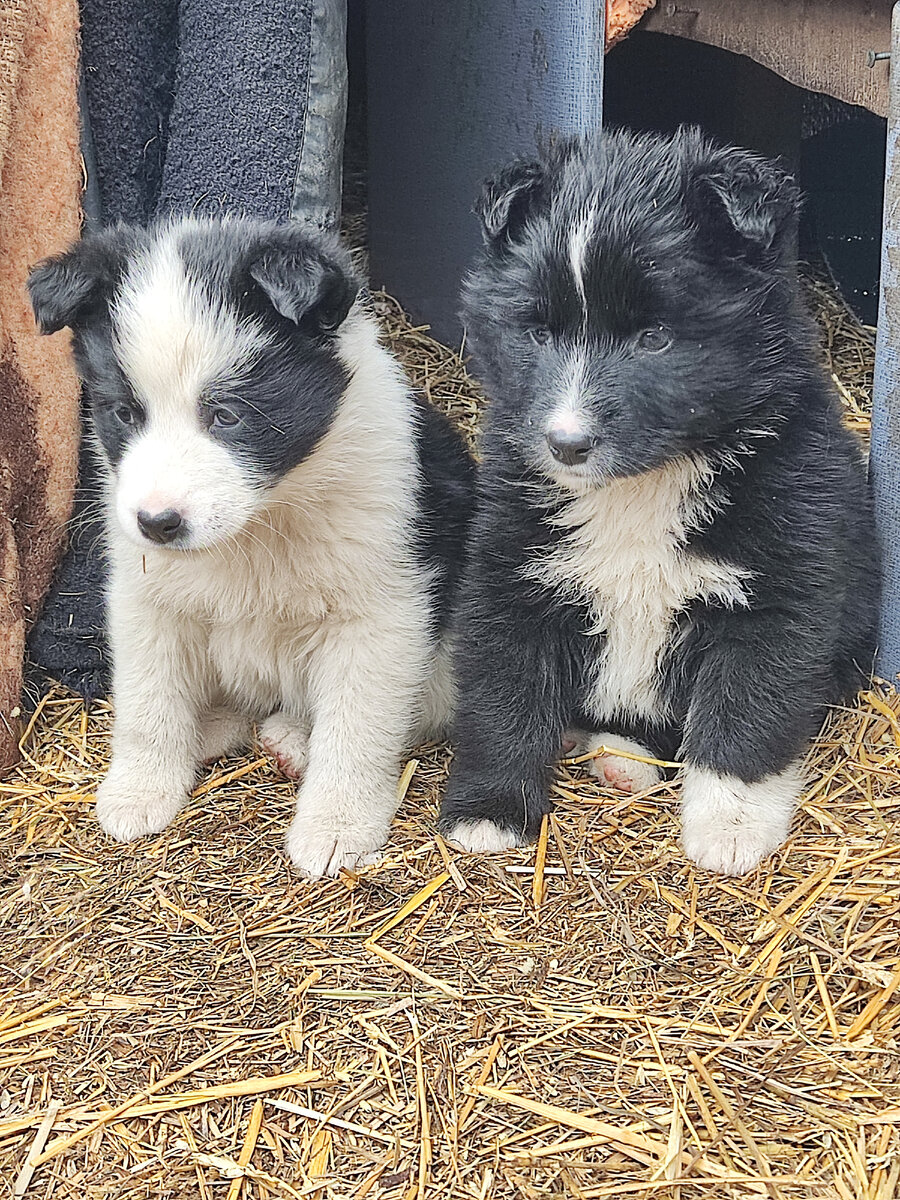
309,284
507,199
68,287
751,200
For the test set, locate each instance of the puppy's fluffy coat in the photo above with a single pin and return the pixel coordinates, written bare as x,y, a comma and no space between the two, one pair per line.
673,552
285,522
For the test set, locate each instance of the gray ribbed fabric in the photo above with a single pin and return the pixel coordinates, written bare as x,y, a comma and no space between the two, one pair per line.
128,62
239,111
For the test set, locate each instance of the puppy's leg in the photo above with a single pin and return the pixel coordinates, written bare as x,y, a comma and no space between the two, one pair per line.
286,738
158,692
439,698
754,707
617,770
509,727
364,681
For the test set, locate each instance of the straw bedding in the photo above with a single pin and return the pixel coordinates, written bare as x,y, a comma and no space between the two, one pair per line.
589,1017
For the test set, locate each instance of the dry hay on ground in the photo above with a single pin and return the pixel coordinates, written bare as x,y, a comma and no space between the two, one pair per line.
589,1017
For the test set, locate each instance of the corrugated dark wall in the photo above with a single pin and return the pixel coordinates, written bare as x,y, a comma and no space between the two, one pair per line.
454,90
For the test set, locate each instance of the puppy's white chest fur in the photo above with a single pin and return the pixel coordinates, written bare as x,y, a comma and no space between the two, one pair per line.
624,553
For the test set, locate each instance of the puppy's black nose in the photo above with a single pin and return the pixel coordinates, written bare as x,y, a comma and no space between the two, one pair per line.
567,447
160,527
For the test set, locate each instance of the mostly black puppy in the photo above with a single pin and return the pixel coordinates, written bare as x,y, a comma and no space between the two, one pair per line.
674,550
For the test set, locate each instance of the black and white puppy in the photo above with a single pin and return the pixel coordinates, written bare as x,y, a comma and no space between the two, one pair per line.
674,550
285,522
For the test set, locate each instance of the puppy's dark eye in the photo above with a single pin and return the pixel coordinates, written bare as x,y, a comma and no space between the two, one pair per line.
125,414
223,418
539,334
656,339
218,416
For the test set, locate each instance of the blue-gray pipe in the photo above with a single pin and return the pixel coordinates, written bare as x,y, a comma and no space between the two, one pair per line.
885,458
456,88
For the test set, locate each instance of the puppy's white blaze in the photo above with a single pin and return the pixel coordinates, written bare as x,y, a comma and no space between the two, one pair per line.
624,554
565,421
482,837
569,415
730,826
155,502
170,338
579,240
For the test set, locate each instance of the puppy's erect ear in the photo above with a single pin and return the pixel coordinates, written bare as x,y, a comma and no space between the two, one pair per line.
65,289
751,200
306,283
507,200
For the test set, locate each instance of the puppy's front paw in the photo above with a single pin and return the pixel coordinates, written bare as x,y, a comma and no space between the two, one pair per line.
286,739
617,771
131,807
730,826
481,837
486,817
318,847
728,851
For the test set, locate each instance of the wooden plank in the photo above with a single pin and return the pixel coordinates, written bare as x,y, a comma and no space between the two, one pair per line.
820,46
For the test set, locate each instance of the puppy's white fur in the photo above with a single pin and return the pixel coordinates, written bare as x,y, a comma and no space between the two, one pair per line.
730,826
624,554
482,837
305,600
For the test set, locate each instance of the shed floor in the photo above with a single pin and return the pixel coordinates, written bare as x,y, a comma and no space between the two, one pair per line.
587,1018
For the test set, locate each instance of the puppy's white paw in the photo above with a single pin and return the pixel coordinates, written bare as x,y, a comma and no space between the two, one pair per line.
286,739
728,852
129,809
730,826
616,771
482,837
318,847
223,732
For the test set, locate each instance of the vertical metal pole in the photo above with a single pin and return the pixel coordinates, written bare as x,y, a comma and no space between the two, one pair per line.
456,88
885,458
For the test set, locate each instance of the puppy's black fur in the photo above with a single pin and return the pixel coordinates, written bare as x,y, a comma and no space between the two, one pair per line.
685,322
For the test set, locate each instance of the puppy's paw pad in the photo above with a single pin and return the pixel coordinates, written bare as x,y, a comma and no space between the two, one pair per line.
482,837
624,774
318,851
287,741
574,742
223,733
127,814
616,771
